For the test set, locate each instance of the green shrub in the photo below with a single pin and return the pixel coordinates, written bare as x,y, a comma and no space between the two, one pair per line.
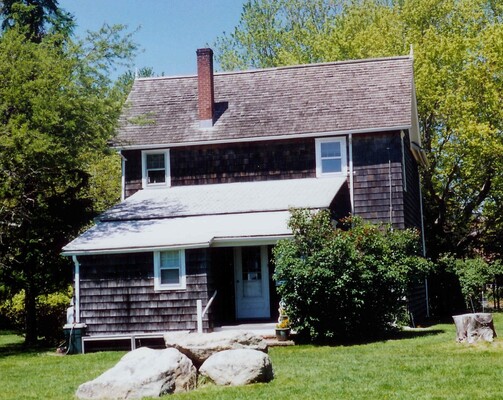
51,313
345,284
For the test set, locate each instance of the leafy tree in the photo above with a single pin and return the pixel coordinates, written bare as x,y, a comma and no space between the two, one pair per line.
58,108
474,275
458,62
345,285
277,32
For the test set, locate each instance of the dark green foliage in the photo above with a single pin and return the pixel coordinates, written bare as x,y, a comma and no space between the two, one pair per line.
35,17
345,284
50,316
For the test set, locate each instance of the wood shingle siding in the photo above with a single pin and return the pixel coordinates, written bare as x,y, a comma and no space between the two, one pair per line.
133,171
371,156
238,162
416,301
412,202
241,162
117,294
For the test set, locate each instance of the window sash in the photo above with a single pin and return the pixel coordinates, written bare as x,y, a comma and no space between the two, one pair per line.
155,161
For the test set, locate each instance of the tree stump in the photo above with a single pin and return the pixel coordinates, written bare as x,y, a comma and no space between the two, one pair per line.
471,328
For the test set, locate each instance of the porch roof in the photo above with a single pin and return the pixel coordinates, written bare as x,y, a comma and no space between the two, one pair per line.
226,198
203,216
183,232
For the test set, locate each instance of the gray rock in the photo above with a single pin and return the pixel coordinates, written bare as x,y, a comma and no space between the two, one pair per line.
143,373
199,346
238,367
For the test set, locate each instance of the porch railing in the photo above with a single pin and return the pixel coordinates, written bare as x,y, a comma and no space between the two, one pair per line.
201,313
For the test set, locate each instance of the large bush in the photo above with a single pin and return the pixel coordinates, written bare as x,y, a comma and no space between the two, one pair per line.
345,284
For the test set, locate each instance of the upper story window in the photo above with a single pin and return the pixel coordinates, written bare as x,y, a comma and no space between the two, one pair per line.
155,168
169,270
331,156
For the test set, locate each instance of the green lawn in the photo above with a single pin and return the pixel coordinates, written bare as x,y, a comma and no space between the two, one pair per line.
420,365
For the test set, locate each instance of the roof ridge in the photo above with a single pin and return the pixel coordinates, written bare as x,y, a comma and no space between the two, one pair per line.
285,67
320,64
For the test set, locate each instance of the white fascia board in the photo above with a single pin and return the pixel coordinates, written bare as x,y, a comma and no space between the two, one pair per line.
249,241
265,138
216,242
70,253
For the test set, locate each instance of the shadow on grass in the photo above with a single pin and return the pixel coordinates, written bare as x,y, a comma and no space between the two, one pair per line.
399,335
414,333
12,344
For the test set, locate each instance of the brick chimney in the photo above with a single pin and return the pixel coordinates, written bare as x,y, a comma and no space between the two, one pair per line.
205,87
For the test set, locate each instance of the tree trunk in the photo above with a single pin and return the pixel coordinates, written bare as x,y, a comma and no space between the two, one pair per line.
471,328
30,308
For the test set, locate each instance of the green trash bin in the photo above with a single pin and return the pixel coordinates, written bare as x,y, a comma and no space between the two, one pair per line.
73,337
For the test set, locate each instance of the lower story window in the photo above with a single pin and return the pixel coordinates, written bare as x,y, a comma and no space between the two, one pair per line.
169,269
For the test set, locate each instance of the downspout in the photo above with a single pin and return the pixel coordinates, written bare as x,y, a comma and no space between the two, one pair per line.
351,190
423,240
77,289
123,176
390,190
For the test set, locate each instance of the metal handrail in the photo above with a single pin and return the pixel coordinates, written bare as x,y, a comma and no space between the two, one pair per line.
201,313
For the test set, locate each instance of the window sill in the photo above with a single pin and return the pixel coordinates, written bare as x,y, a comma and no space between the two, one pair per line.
165,288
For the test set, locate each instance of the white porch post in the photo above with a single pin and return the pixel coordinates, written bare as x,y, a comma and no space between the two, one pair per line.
199,316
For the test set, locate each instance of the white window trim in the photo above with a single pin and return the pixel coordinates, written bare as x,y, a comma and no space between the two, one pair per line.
167,171
344,161
157,273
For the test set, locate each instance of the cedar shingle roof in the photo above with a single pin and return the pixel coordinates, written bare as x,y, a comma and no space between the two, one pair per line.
299,100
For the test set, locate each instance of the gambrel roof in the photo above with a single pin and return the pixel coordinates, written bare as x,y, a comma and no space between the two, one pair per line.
305,100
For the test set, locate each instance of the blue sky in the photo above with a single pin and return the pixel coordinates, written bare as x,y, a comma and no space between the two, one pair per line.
171,30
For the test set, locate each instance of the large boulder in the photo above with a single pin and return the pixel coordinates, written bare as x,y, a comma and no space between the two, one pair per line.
199,346
238,367
143,373
471,328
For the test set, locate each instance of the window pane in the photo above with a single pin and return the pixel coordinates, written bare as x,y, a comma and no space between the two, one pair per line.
170,259
170,276
156,176
251,264
155,160
330,149
328,166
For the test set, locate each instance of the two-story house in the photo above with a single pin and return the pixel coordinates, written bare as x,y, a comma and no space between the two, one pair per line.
211,165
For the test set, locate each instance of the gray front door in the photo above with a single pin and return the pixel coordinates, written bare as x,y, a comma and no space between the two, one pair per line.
251,272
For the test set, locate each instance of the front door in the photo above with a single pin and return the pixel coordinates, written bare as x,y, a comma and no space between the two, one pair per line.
251,272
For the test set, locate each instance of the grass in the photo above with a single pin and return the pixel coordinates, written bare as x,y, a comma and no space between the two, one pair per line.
425,364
